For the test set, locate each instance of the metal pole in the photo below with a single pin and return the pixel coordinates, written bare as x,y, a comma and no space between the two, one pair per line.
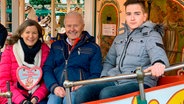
21,11
140,79
7,94
53,19
10,94
97,80
68,5
68,96
15,15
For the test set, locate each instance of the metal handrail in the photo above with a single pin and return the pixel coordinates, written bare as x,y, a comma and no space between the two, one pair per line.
67,84
5,94
8,93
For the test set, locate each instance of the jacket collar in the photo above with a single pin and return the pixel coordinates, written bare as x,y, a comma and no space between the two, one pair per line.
19,55
86,37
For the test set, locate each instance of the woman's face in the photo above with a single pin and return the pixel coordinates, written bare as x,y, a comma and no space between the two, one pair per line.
30,36
135,16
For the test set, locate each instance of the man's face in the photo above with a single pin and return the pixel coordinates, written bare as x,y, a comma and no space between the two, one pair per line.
135,16
74,26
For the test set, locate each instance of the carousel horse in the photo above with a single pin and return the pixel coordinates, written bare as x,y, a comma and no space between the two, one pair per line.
79,10
46,24
31,14
46,21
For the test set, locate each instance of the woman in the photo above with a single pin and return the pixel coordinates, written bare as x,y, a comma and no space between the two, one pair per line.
22,58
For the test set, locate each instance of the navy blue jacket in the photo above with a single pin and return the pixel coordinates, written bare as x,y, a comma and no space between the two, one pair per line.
83,62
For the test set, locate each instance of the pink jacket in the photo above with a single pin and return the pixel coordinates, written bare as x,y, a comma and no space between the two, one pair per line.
8,66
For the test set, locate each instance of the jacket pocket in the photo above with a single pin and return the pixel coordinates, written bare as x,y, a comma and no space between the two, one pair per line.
119,47
136,47
85,50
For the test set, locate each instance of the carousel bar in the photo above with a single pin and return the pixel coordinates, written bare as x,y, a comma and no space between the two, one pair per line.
139,74
118,77
7,94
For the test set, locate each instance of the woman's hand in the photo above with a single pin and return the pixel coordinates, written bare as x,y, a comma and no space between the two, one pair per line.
27,102
34,100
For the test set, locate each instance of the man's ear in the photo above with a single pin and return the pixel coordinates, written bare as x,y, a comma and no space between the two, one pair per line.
145,16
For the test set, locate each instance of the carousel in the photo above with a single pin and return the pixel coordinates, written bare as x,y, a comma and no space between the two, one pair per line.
170,89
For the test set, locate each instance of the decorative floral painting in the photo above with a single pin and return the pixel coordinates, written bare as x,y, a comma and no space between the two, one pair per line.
108,15
171,14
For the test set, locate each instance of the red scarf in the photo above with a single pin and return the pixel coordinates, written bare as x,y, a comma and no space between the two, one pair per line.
75,43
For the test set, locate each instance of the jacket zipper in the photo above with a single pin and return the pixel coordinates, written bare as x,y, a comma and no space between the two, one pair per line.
64,73
124,51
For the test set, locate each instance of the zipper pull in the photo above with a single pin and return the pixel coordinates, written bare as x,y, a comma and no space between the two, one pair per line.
65,70
66,62
69,52
78,51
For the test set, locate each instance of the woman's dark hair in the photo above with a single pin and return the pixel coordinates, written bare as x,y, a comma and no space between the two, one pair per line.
17,35
141,2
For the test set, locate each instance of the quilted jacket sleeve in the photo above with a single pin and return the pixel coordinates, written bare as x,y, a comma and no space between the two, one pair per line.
8,67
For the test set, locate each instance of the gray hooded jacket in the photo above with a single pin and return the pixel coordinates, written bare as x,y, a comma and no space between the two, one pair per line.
140,48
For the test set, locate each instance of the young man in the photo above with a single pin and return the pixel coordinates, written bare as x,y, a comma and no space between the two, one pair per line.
75,57
139,45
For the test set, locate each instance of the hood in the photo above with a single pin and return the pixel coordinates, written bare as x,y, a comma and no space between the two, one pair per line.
146,27
152,26
87,37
